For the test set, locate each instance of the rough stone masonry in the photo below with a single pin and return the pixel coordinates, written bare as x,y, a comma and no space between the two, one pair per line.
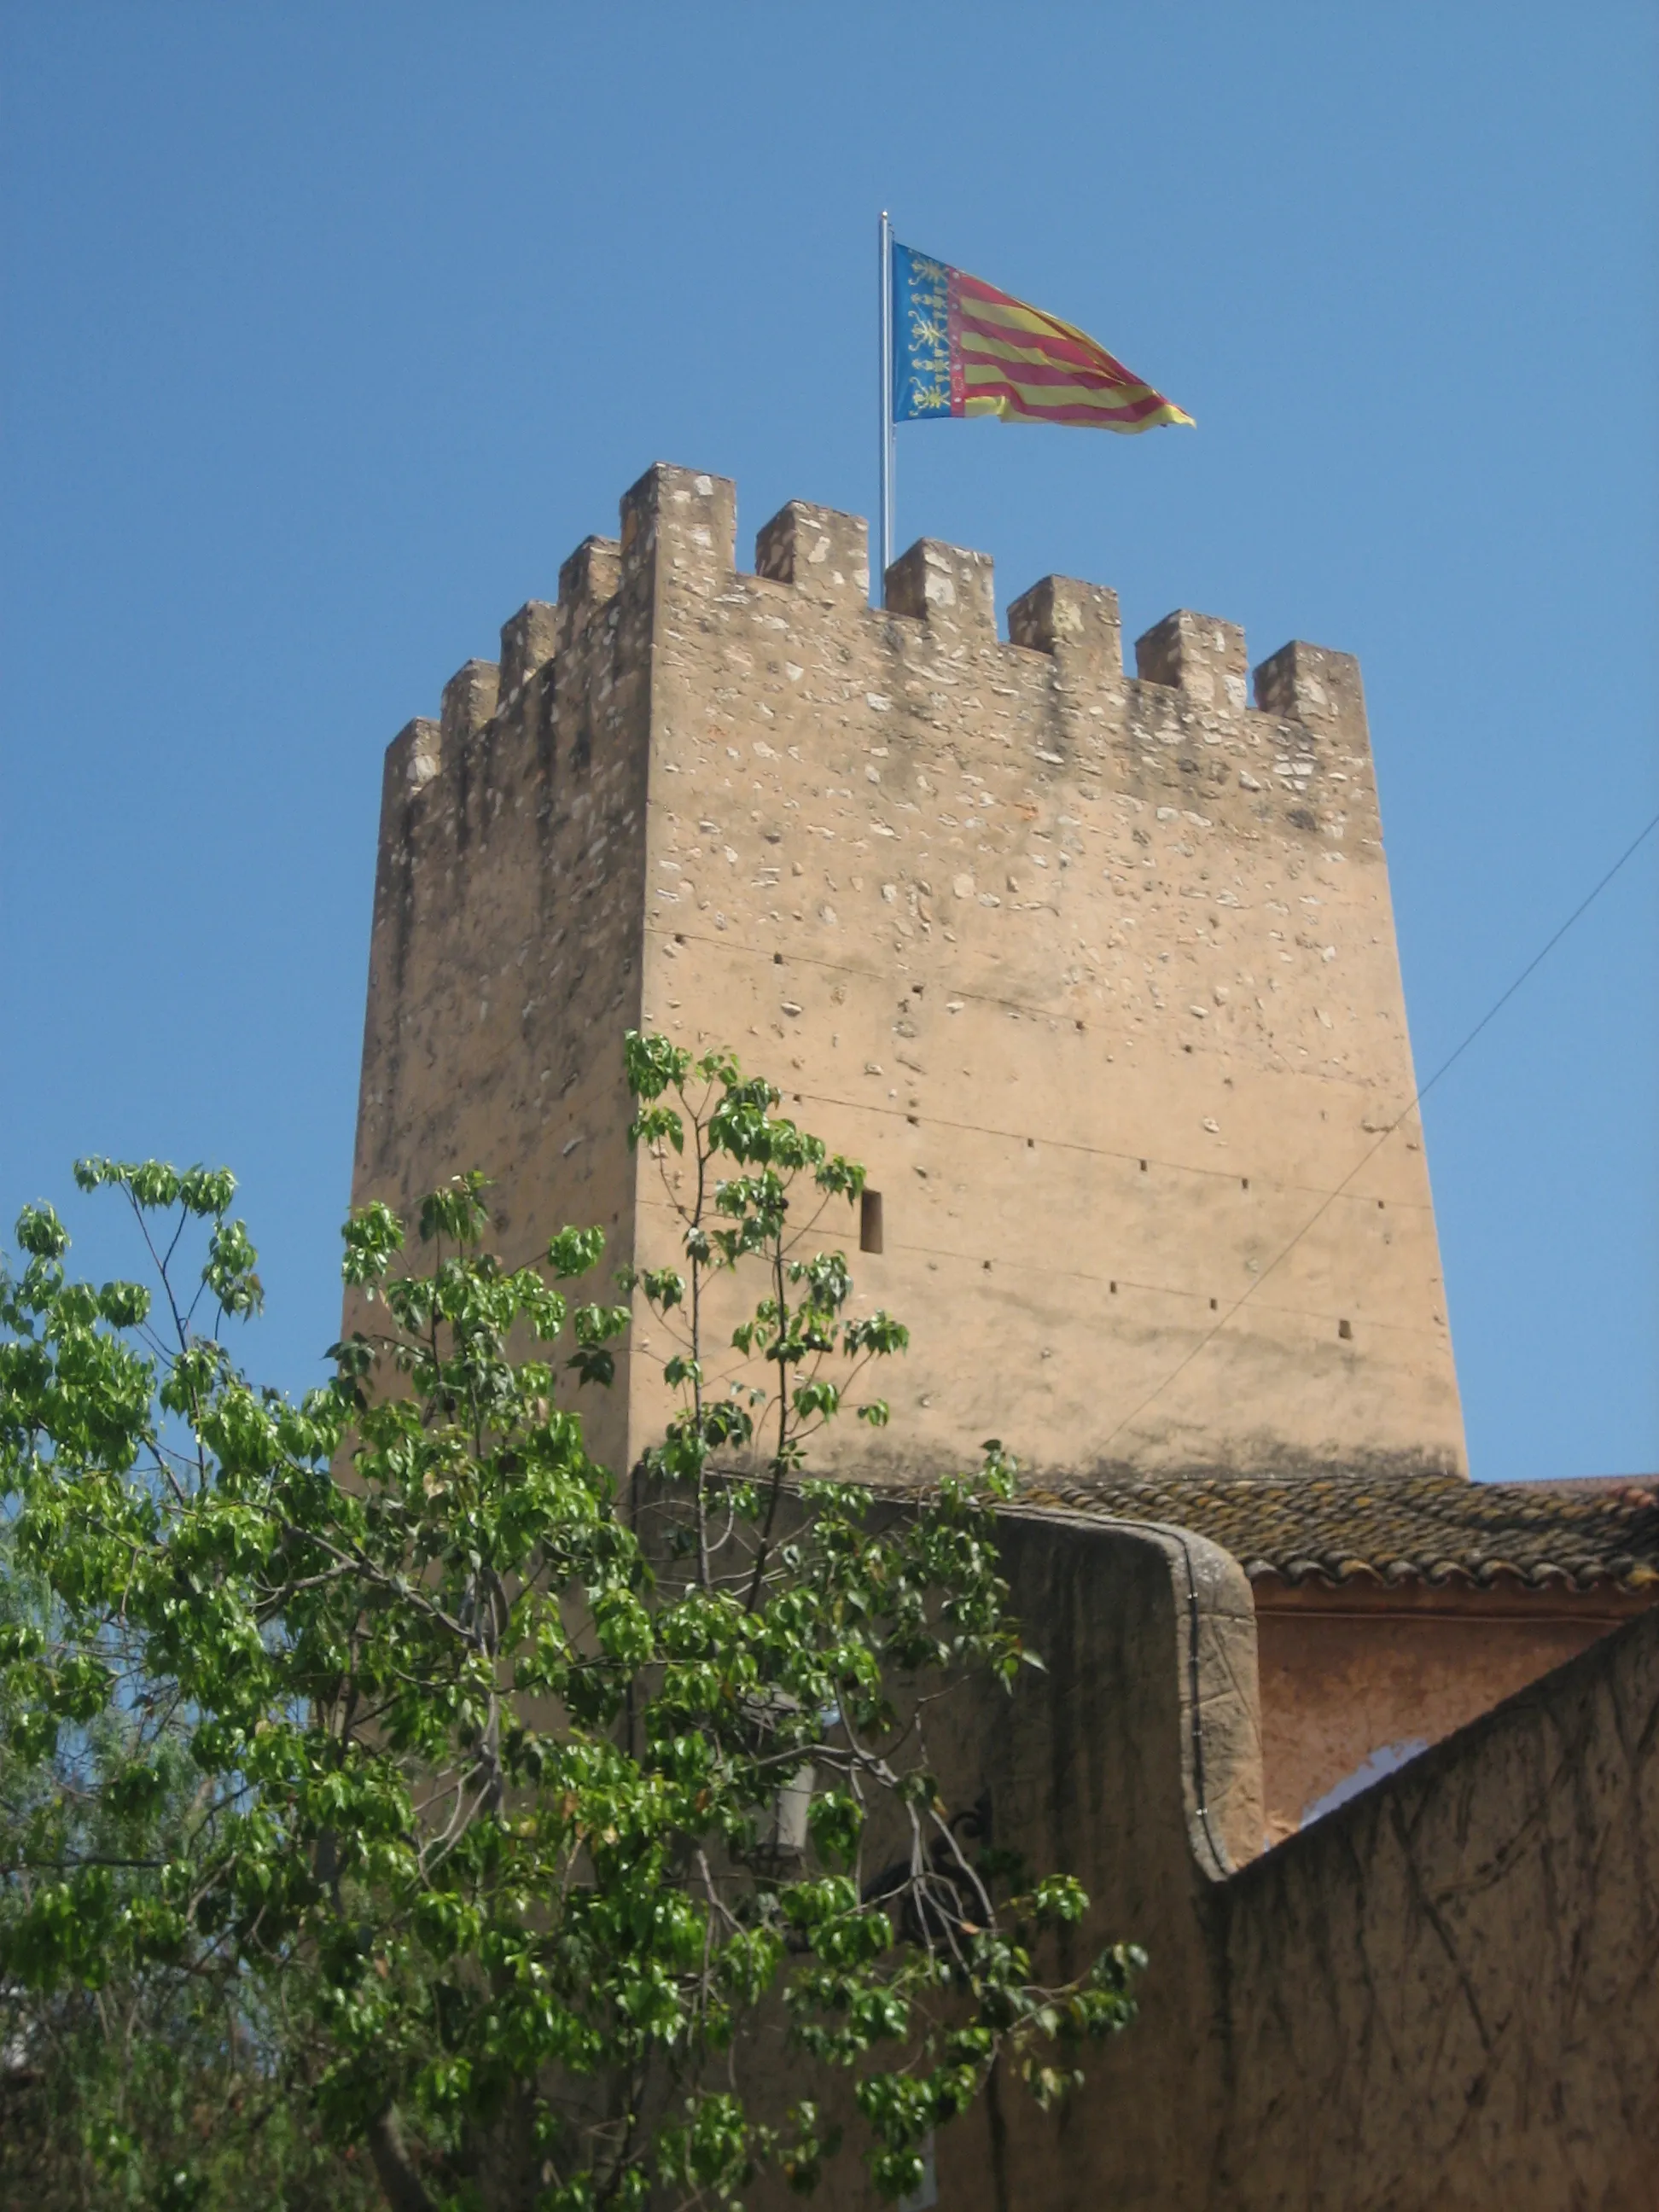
1098,974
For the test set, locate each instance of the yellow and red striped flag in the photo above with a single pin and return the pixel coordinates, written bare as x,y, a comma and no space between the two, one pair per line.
963,348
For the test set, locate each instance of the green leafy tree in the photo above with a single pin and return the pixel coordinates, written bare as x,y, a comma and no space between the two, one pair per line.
571,1838
134,2075
122,2083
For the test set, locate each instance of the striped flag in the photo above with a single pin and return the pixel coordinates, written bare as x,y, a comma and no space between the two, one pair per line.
960,347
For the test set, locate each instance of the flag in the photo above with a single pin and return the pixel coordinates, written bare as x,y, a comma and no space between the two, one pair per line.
960,347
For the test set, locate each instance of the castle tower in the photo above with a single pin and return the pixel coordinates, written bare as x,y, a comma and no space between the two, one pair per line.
1096,974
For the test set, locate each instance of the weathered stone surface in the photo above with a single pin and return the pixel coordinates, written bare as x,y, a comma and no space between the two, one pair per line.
470,699
1388,1614
1097,974
1199,654
815,549
948,588
1307,684
1059,614
529,640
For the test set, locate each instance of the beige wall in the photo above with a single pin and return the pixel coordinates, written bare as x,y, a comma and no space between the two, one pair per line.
504,961
1348,1675
1440,1995
1444,1993
1097,974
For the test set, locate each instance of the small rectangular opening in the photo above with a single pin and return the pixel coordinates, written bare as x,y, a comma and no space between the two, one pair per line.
1344,1330
870,1221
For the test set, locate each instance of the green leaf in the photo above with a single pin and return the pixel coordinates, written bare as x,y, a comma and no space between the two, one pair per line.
41,1233
573,1251
381,1765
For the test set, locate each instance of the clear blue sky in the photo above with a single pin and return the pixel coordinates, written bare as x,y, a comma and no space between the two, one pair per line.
328,332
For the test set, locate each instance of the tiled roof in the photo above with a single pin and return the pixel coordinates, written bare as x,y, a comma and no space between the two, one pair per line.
1423,1529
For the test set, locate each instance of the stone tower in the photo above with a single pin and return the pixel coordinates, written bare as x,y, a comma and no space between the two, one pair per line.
1097,974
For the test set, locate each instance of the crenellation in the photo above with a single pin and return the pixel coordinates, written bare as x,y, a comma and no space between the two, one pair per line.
1320,690
1198,655
679,526
817,550
1130,917
470,698
951,589
588,581
1060,616
529,640
416,754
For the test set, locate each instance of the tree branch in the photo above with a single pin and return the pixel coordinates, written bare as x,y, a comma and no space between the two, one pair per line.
400,2184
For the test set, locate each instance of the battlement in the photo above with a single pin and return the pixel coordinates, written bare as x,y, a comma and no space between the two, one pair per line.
678,530
1094,965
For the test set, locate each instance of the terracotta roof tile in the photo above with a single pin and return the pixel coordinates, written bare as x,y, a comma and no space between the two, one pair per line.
1422,1529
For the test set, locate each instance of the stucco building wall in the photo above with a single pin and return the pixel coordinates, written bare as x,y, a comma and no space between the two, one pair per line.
1441,1994
1444,1993
1354,1681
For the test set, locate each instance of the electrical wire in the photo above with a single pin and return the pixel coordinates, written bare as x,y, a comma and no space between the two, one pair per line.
1444,1068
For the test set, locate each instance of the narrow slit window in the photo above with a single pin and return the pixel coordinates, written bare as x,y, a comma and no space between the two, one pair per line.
870,1221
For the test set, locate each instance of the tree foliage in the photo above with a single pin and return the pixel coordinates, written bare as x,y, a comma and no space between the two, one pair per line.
130,2076
554,1847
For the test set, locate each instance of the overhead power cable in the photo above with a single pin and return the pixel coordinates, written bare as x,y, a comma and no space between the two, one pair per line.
1330,1198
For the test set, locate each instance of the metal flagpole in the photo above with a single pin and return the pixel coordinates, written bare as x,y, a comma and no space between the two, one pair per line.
886,532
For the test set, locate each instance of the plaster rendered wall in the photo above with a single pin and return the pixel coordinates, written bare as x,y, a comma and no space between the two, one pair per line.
1443,1993
1352,1684
1096,975
1094,1766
